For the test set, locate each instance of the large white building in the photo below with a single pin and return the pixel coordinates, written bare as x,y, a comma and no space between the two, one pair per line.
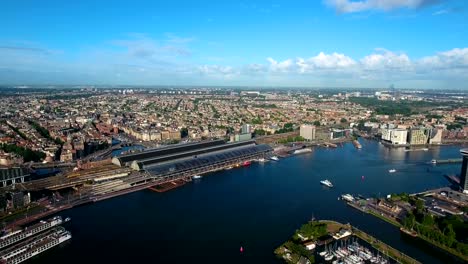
307,132
395,135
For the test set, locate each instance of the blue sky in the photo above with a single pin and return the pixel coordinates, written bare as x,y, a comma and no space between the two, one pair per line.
325,43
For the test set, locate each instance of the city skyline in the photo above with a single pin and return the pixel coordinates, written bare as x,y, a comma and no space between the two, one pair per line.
334,43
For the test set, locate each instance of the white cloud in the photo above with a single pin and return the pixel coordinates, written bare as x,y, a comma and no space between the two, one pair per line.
348,6
144,47
282,66
386,60
324,61
441,12
217,71
451,60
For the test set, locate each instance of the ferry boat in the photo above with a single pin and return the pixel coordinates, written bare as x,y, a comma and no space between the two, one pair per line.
30,248
326,183
29,231
196,177
392,170
348,197
275,158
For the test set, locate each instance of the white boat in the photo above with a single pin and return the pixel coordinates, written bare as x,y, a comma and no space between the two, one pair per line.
261,160
196,177
228,168
39,244
329,257
327,183
323,253
392,170
304,150
434,161
348,197
275,158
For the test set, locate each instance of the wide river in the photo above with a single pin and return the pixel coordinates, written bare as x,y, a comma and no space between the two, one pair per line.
256,207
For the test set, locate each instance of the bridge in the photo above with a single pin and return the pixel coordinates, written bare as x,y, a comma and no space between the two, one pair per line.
13,175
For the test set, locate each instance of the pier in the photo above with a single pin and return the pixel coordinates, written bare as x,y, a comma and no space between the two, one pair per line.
446,161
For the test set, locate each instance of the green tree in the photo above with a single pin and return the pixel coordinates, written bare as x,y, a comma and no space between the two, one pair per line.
409,221
317,123
419,205
428,220
260,132
343,120
450,234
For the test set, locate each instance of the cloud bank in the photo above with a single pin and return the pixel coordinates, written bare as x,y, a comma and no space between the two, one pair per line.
143,60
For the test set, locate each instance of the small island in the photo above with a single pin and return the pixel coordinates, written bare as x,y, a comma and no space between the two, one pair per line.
326,241
436,217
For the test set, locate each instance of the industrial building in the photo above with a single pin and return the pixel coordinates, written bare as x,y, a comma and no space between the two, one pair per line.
192,158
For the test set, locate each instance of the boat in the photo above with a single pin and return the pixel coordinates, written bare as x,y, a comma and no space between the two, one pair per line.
196,177
275,158
434,161
409,232
357,144
246,163
392,170
261,160
348,197
326,183
300,151
228,168
32,247
30,231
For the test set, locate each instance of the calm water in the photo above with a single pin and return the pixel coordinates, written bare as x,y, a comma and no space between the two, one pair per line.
257,207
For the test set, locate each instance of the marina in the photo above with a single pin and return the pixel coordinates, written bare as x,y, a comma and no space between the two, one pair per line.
326,241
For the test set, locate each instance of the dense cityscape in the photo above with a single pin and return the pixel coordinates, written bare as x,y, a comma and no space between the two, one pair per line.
299,132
